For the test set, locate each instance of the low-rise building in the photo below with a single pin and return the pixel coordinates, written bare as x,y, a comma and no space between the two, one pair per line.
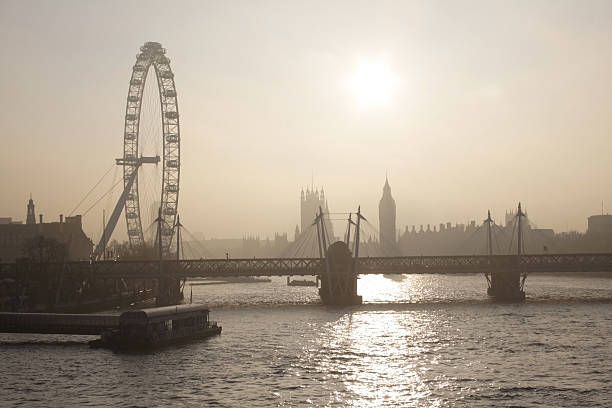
13,236
600,224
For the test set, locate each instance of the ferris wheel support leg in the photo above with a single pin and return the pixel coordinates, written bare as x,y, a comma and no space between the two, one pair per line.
112,222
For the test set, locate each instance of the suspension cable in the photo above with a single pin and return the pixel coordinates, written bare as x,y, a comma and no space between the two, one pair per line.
198,243
103,195
91,190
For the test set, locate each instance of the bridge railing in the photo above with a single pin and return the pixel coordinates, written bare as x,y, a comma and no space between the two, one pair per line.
205,267
484,263
316,266
436,264
566,263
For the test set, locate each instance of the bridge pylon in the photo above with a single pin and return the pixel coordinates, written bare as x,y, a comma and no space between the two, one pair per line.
339,283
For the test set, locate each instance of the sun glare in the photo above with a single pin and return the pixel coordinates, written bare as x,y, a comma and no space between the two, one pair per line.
373,84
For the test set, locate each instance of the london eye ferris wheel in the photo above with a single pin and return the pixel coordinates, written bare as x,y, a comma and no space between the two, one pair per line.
151,182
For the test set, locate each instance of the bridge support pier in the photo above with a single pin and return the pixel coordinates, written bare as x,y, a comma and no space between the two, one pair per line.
339,284
505,285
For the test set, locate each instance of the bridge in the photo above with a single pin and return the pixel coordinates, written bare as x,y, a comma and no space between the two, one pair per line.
178,270
220,268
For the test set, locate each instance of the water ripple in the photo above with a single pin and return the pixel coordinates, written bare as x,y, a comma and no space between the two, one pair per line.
417,342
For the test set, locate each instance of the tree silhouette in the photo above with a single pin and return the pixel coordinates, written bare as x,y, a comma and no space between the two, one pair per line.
44,250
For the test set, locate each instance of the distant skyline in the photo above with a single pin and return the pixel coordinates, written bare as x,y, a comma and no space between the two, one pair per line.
467,106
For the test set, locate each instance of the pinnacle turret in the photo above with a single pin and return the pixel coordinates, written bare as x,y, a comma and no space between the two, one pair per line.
31,216
386,218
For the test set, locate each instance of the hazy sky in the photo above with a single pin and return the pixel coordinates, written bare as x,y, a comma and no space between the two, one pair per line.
493,102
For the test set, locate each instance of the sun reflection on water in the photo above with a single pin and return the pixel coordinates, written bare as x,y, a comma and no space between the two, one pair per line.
420,288
378,358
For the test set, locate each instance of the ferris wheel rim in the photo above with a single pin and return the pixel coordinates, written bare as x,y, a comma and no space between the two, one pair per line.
152,55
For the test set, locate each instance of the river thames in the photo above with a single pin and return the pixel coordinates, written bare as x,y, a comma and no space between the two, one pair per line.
417,341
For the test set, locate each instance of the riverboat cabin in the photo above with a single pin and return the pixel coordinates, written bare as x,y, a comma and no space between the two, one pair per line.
159,326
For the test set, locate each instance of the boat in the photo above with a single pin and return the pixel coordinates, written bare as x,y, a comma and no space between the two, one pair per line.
228,280
157,327
245,279
301,282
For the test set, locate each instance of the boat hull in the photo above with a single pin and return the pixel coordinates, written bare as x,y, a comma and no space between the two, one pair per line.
117,343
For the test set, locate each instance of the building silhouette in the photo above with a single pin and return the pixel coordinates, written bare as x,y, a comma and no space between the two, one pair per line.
310,202
249,246
600,225
471,238
31,216
386,221
296,233
510,218
68,231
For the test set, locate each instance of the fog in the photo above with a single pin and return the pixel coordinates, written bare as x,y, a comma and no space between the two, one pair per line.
492,103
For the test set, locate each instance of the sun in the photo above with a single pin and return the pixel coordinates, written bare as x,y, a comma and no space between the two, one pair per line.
373,84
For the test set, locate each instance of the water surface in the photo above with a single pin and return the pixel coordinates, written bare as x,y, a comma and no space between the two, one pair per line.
418,341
